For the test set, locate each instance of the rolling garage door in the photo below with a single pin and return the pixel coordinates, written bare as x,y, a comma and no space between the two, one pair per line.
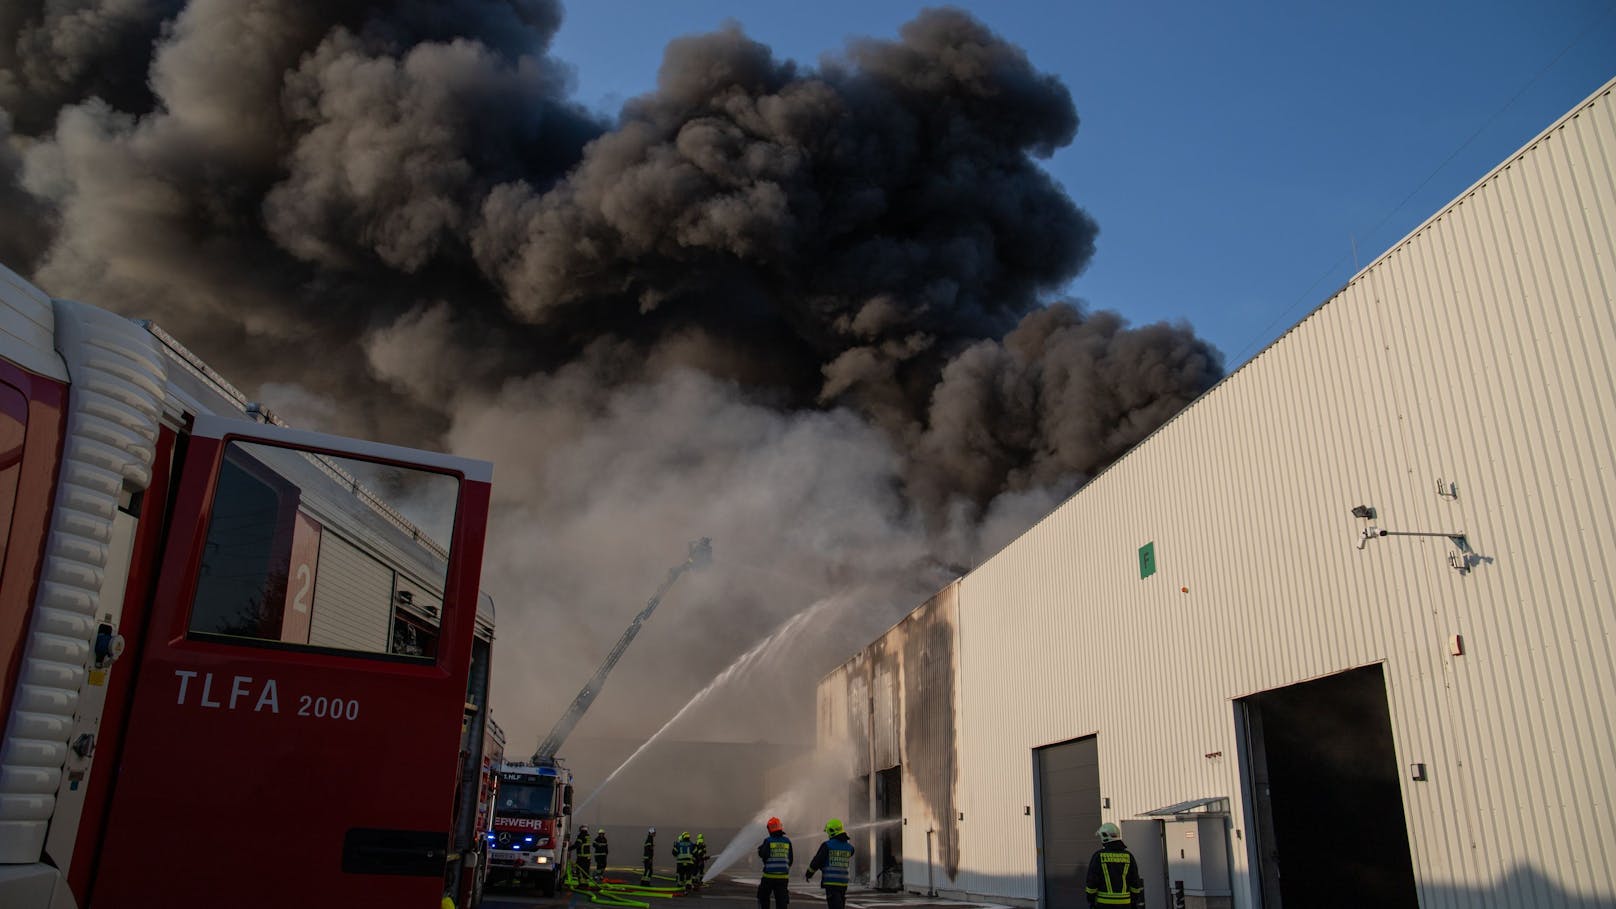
1068,813
353,599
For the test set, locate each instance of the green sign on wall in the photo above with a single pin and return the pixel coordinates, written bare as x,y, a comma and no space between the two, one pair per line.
1147,560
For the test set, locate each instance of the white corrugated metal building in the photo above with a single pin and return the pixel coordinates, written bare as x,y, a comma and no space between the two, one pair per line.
1403,717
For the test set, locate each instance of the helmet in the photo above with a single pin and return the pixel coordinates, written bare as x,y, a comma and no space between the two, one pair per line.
583,828
833,827
701,838
774,825
601,832
684,836
650,830
1108,832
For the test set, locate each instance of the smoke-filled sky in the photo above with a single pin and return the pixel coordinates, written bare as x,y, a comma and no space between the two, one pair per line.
814,309
1233,153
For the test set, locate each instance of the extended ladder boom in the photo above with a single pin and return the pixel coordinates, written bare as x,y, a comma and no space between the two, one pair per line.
701,552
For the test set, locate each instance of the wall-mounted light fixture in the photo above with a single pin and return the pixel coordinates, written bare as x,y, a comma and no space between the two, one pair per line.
1462,561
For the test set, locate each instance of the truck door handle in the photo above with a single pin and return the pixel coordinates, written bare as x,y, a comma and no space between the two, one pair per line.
380,851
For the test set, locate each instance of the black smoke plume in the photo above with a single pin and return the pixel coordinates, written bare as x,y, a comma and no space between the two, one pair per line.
806,311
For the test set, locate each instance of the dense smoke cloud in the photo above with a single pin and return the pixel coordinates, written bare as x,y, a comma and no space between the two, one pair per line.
804,311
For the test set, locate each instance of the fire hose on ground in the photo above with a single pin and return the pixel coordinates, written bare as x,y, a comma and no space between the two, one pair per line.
608,892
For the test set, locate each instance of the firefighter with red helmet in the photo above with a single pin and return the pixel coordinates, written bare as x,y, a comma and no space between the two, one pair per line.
775,851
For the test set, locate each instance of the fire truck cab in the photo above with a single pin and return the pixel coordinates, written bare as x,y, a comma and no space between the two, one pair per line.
527,842
211,624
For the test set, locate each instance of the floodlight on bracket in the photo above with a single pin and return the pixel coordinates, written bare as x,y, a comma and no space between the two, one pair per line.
1461,561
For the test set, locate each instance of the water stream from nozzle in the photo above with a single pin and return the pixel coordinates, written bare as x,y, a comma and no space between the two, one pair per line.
790,803
744,662
874,825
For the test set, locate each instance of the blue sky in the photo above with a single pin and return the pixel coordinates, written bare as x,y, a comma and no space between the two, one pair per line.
1233,153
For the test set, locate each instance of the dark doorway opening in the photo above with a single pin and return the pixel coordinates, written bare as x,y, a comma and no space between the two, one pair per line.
888,845
1068,814
1326,810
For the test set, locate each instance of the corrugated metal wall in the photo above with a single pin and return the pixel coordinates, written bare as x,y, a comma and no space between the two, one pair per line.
1477,352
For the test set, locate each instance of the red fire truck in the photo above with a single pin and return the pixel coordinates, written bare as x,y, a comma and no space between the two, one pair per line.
210,627
527,841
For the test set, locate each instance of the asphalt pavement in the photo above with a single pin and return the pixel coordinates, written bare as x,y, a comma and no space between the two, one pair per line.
727,892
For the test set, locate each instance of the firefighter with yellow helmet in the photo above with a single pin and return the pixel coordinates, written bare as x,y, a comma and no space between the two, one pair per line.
684,860
835,860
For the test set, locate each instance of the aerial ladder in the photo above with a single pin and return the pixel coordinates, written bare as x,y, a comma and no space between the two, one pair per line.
701,553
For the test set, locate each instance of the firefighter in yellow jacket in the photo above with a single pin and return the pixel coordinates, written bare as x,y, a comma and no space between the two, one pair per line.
1113,878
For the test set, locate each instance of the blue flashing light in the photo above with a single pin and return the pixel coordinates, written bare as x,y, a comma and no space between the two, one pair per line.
527,839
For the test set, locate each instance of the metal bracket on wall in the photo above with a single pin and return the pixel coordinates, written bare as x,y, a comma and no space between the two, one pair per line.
1464,558
1446,490
1461,561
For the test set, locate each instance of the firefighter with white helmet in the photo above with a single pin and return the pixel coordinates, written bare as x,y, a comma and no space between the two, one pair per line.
585,849
1113,877
601,848
650,852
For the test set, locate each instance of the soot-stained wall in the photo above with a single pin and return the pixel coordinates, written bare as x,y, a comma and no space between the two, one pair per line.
898,698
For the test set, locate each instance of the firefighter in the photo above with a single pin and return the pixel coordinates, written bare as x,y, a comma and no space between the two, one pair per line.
584,849
835,859
700,855
1113,878
600,854
684,859
650,852
775,851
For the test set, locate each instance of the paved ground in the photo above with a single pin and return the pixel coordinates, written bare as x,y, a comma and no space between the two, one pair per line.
735,893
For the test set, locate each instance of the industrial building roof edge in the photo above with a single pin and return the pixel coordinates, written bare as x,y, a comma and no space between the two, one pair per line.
1583,105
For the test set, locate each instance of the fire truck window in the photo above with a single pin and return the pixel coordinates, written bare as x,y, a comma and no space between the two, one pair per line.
325,552
526,795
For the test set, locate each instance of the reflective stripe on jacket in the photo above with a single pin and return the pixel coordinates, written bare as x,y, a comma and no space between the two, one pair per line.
1113,878
684,853
838,861
776,854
